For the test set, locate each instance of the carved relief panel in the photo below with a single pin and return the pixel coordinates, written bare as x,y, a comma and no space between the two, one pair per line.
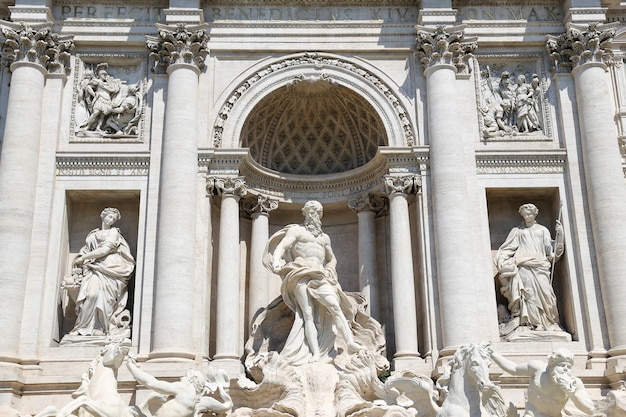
512,100
109,99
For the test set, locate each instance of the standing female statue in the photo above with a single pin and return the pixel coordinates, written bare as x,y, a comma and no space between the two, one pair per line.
525,261
103,266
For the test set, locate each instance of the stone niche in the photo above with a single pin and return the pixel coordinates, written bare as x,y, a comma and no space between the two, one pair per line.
503,205
83,210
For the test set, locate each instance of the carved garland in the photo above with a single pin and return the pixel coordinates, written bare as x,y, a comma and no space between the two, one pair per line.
318,60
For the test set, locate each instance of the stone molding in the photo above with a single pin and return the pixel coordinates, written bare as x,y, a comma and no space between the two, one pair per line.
444,45
98,165
322,187
521,163
178,44
317,61
37,44
582,44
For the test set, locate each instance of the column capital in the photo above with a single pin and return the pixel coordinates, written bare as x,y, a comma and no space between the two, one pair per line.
444,45
260,205
367,202
178,44
36,44
226,186
582,44
405,184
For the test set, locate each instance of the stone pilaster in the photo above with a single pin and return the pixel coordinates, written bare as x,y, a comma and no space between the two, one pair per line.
586,51
180,51
259,209
444,51
32,53
366,208
228,348
398,188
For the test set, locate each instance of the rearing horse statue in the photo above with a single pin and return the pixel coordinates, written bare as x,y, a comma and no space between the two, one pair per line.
98,392
465,388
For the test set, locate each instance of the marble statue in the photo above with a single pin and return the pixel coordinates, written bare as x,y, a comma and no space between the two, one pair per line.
101,272
551,384
111,106
184,398
464,389
525,264
303,257
98,393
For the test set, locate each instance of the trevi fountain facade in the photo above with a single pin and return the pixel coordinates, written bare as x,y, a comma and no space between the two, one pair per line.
313,208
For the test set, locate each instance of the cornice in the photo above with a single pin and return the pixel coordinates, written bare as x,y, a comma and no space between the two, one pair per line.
552,162
313,3
102,165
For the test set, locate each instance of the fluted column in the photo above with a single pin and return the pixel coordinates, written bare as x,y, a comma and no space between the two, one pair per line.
443,53
180,51
228,306
586,51
402,277
32,52
259,209
366,207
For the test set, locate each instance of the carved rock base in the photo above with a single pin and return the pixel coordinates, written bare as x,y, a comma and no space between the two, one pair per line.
316,389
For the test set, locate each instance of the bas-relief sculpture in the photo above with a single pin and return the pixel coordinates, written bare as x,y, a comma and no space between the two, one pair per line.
511,103
525,262
108,106
98,284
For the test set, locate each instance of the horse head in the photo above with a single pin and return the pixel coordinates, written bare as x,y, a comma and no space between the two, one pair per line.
114,353
475,360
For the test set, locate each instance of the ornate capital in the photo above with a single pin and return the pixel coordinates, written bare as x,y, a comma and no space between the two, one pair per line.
406,184
367,202
261,204
220,186
180,44
37,45
444,45
581,45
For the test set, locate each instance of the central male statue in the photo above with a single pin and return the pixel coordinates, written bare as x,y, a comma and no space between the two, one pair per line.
304,259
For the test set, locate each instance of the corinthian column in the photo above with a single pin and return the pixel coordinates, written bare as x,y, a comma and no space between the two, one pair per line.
443,53
179,50
586,51
32,52
259,209
366,207
228,305
402,278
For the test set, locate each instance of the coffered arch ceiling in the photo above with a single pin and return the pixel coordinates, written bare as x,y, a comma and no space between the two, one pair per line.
311,127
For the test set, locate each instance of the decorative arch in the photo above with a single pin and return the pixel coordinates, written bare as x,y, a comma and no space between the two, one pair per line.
379,93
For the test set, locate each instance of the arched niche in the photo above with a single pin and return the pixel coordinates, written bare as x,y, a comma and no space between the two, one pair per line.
373,87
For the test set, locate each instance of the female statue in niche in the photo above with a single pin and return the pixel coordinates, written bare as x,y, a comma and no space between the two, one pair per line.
525,261
102,269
